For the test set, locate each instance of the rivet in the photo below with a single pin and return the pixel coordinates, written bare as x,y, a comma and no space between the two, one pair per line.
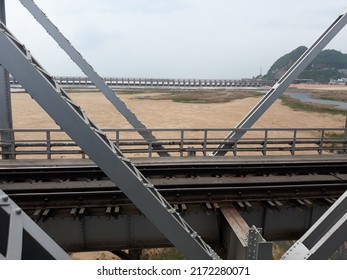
18,211
5,198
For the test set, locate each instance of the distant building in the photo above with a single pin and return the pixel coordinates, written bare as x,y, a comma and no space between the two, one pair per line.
342,81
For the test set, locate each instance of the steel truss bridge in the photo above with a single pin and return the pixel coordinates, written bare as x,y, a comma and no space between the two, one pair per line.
185,193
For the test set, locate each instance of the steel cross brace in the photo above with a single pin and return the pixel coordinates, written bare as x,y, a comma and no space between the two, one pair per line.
279,88
324,237
54,100
258,247
21,238
61,40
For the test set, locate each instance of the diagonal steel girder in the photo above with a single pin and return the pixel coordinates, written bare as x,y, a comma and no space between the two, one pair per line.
280,87
68,115
86,68
324,237
7,137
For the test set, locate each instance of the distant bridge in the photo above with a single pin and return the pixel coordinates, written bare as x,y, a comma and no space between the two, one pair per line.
67,81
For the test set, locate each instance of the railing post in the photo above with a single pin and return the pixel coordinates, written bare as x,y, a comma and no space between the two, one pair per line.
205,142
150,147
48,144
320,149
234,146
292,150
182,143
265,142
117,138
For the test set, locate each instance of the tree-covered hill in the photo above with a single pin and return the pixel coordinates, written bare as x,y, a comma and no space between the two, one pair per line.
329,64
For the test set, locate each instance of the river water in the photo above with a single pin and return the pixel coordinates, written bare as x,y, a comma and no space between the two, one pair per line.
307,97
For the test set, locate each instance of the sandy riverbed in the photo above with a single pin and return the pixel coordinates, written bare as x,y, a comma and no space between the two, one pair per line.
169,114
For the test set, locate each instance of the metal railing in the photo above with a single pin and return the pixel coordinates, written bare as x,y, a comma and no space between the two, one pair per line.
54,143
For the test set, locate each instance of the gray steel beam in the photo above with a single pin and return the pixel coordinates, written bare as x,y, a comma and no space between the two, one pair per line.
53,99
131,230
2,11
324,237
86,68
21,238
284,222
5,103
128,231
279,88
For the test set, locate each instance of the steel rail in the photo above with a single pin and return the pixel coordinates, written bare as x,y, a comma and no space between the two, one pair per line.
179,176
155,170
188,194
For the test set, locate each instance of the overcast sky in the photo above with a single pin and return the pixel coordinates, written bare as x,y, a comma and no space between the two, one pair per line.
175,38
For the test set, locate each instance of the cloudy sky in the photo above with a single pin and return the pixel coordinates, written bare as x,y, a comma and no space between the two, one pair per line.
175,38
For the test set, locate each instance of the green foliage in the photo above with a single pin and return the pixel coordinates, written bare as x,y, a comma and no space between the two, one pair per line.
162,254
204,96
322,76
280,247
324,67
329,59
284,63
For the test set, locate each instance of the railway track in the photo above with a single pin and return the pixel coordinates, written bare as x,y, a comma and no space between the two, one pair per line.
85,190
17,173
